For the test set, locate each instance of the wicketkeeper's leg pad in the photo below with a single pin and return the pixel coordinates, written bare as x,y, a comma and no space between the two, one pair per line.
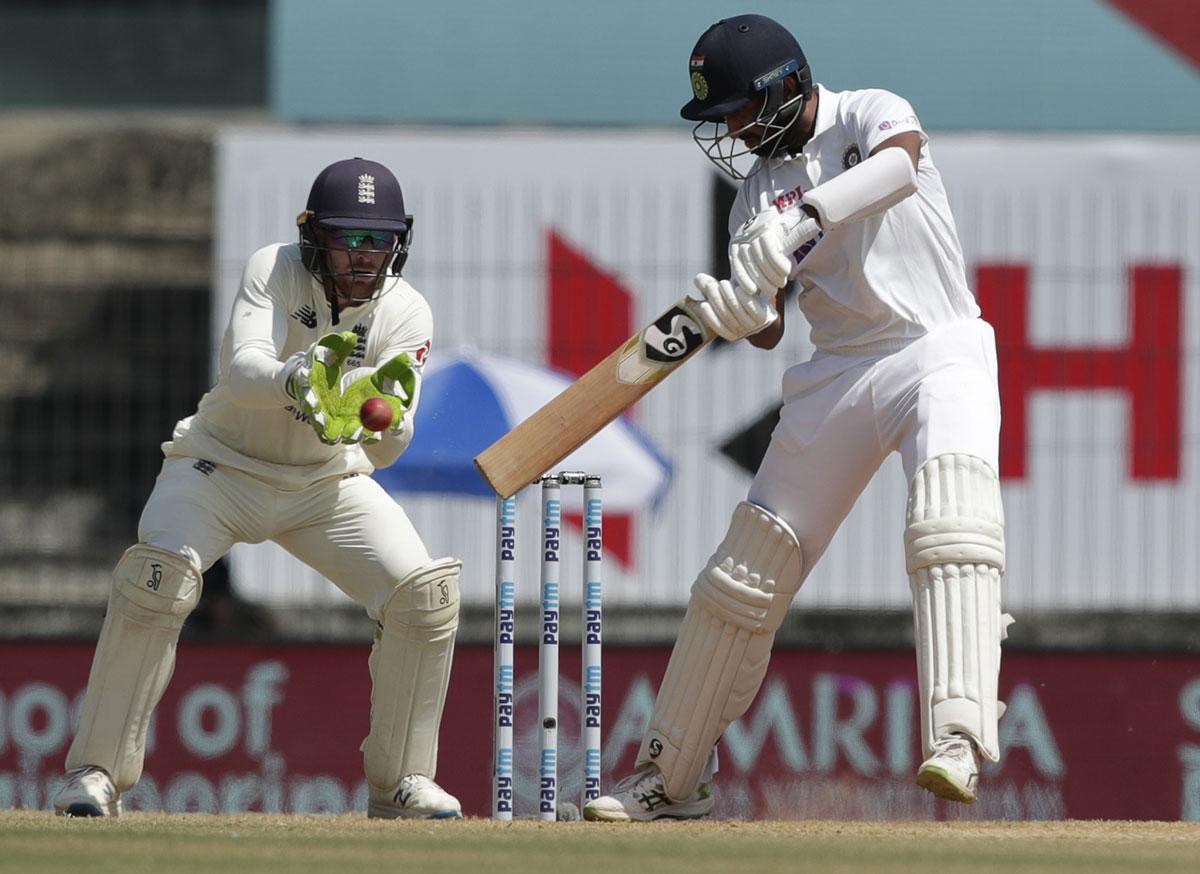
153,591
720,657
410,672
954,542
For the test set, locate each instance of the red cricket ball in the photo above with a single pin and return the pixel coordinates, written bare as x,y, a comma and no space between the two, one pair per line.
375,414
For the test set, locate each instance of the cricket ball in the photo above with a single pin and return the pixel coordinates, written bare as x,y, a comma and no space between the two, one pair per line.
375,414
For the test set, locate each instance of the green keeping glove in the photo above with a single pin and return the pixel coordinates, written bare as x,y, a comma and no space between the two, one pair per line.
395,382
332,407
320,395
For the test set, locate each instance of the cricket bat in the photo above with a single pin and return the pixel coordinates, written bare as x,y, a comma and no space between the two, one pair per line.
569,420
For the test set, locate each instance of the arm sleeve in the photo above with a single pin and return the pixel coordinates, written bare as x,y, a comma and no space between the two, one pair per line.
413,337
258,329
879,116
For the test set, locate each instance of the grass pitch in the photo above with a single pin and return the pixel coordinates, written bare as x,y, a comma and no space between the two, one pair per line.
37,842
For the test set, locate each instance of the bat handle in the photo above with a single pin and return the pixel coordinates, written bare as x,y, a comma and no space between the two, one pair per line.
801,232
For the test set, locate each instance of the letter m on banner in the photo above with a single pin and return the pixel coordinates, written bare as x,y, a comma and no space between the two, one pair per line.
1148,369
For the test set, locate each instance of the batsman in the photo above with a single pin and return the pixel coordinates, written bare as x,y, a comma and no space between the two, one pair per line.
277,451
903,363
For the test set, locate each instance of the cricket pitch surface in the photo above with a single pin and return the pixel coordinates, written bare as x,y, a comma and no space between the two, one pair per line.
32,842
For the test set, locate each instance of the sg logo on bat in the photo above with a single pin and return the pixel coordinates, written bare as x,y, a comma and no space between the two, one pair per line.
661,347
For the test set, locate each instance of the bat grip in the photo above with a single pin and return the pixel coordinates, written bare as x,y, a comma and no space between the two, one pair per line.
801,232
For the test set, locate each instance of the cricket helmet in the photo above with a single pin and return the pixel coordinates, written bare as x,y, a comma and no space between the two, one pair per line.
355,194
734,61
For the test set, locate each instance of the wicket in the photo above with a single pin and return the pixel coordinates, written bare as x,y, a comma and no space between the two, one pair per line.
548,672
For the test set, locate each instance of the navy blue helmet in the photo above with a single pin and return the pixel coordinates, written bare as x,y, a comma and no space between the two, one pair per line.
359,203
735,61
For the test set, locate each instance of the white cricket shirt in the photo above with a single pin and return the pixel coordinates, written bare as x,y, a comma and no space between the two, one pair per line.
247,420
873,285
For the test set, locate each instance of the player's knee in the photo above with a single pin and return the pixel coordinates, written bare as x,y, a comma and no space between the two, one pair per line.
751,578
155,585
954,514
426,599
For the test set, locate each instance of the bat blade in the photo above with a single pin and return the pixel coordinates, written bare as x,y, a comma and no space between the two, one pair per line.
571,418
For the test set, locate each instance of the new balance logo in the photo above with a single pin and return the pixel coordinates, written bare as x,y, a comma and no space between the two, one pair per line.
205,467
306,315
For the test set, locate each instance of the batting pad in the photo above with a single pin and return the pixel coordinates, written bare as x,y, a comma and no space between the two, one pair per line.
153,591
410,671
720,657
954,542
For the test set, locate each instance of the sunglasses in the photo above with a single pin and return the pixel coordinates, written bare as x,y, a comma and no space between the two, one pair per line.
382,241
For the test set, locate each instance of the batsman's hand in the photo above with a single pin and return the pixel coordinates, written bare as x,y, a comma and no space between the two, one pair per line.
730,311
760,253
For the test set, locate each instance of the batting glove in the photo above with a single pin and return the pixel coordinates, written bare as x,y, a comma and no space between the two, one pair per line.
731,312
760,253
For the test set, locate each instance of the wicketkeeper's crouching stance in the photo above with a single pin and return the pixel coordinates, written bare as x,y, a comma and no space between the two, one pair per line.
903,364
276,451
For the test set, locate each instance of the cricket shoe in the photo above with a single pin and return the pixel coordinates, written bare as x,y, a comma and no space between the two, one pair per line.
642,796
89,791
952,772
417,797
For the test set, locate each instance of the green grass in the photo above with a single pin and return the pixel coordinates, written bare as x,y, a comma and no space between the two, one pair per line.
36,842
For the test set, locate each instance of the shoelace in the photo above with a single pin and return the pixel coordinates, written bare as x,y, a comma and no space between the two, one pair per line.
957,748
637,777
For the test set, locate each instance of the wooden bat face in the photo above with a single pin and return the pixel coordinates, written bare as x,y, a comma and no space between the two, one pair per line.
614,385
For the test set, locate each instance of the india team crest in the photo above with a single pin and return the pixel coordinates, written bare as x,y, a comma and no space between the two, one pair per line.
699,83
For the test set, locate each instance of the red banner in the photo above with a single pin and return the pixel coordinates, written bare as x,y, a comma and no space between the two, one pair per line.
830,736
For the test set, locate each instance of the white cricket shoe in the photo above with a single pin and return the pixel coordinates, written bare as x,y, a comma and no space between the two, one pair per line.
89,791
641,797
952,772
417,797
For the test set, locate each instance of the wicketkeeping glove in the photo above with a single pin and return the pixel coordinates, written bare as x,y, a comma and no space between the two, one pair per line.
395,382
331,400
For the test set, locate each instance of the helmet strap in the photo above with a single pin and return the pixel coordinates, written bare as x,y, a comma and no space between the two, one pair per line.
334,309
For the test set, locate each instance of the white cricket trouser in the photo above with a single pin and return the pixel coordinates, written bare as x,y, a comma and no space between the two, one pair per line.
843,415
347,529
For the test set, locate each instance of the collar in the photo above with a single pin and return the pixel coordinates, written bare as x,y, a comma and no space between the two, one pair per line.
826,111
355,313
826,116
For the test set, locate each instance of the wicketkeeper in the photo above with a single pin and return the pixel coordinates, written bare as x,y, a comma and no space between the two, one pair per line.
276,451
903,364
